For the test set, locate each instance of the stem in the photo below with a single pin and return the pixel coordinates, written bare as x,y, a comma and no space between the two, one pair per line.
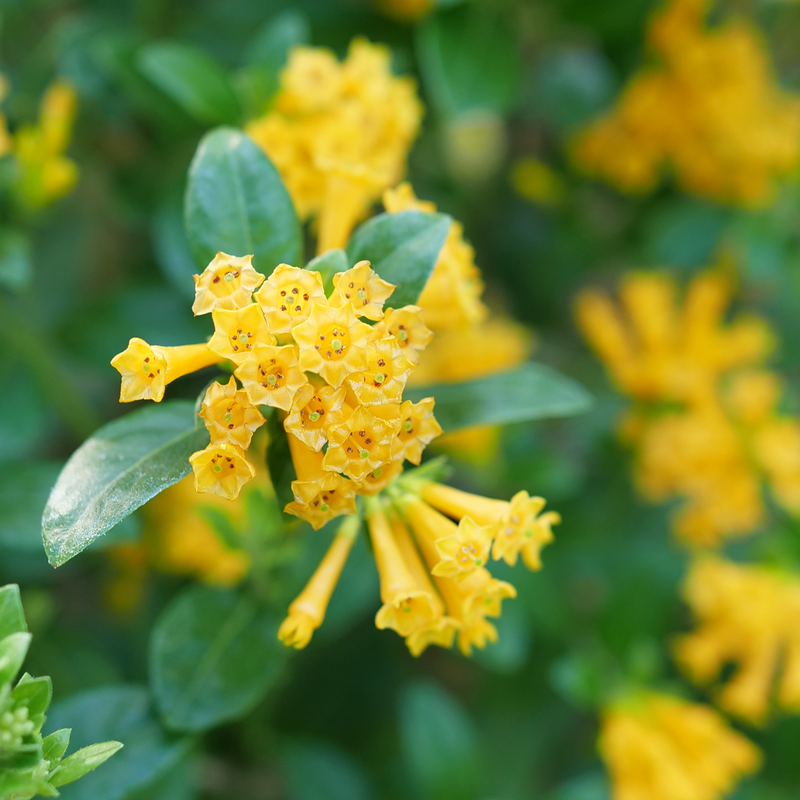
55,383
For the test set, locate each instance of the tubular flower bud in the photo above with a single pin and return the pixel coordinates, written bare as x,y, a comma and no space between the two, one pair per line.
332,343
386,374
229,415
313,412
418,428
238,331
221,469
288,295
307,611
406,325
228,282
463,552
270,375
146,369
319,496
363,289
660,747
405,607
359,445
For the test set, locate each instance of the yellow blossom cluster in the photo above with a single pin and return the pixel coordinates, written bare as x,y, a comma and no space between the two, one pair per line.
337,381
748,616
432,545
707,107
706,425
659,747
339,133
469,344
43,172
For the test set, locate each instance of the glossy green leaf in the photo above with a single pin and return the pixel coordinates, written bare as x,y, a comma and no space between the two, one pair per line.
86,760
193,79
328,264
118,469
13,650
279,460
236,203
402,248
123,714
467,60
15,259
24,489
439,744
532,391
12,616
212,656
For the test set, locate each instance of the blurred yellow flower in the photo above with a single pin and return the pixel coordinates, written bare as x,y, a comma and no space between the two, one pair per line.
659,747
536,181
708,107
339,133
746,615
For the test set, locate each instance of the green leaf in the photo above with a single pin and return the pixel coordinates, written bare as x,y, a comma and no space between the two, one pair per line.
24,489
13,650
328,264
123,465
22,785
319,772
532,391
236,203
123,714
212,657
12,616
83,762
402,248
279,460
468,61
194,80
439,744
55,745
15,259
36,694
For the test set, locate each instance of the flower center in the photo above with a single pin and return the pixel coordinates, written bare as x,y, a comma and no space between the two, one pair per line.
294,300
241,340
469,552
333,342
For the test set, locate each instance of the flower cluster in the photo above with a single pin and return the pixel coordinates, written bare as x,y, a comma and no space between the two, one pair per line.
705,426
746,615
708,107
659,747
43,173
469,344
432,546
339,133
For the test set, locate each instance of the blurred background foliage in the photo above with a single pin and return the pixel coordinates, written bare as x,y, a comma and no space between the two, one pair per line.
505,83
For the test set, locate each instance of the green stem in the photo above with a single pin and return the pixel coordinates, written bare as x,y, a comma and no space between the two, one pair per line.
37,353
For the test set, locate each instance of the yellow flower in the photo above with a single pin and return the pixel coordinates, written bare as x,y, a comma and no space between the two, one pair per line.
380,478
385,376
747,616
463,552
310,81
313,412
288,295
221,469
360,444
709,108
229,415
237,331
270,375
319,496
536,181
332,343
363,289
228,282
658,747
516,526
406,607
406,325
307,611
146,369
418,428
